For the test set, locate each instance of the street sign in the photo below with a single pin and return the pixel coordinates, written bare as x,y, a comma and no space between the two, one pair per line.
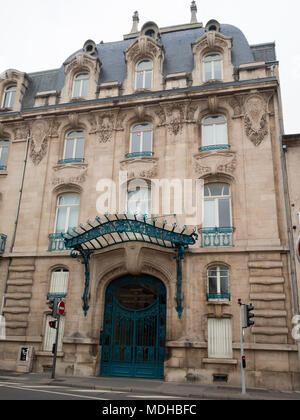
298,249
61,308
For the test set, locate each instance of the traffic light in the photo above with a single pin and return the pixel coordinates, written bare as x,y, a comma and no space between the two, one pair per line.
244,361
52,304
248,315
52,324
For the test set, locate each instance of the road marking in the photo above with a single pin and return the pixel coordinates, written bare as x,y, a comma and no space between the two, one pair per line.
54,392
165,397
99,390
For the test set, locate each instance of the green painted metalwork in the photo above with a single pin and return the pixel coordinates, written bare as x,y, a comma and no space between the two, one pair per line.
2,242
57,242
133,340
179,296
215,147
139,154
75,160
216,237
117,229
218,296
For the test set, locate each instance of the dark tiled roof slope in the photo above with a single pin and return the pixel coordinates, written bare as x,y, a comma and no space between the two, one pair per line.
178,58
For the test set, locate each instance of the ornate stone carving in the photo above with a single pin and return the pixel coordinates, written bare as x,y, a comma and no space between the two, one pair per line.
236,103
256,119
103,126
70,174
140,168
215,162
142,47
39,142
175,117
213,104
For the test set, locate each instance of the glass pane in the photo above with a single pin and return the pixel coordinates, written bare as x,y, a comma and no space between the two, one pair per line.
217,70
216,189
214,119
142,127
212,285
207,133
61,219
69,149
211,57
209,213
224,285
135,142
68,199
139,80
224,213
147,141
207,71
84,88
144,65
212,272
73,217
79,148
148,79
76,89
221,133
3,155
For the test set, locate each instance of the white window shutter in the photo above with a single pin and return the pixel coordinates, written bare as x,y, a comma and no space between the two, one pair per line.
59,282
219,338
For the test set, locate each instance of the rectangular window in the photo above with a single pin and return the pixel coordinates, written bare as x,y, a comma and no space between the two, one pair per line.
3,154
219,338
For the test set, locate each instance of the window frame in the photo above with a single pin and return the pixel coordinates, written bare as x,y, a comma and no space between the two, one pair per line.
144,71
68,206
9,93
212,66
216,199
142,151
143,185
214,145
81,81
68,137
4,146
219,296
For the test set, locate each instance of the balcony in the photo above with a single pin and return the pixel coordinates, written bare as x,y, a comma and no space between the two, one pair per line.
2,242
216,237
139,154
56,243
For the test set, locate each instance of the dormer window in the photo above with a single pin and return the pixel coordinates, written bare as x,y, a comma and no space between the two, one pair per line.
9,96
213,67
81,85
144,74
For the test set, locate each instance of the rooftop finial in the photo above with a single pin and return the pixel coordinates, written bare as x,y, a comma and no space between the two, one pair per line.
194,12
136,20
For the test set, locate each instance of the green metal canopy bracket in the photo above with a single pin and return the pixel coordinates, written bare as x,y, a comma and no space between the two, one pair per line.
179,295
86,255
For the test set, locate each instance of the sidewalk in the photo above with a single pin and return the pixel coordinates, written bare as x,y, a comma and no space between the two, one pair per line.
139,385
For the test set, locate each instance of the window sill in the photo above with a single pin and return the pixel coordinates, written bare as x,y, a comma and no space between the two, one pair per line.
218,301
219,361
3,171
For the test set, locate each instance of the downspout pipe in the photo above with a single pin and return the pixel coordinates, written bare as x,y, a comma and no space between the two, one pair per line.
16,219
288,218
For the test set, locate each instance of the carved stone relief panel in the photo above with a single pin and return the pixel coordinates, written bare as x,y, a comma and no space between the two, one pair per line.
215,162
255,121
69,174
39,141
140,168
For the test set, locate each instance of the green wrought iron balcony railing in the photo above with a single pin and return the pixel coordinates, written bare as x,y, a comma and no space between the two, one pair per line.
216,237
218,296
2,242
56,243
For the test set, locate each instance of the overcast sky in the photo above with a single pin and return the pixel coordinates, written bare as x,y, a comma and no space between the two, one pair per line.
40,34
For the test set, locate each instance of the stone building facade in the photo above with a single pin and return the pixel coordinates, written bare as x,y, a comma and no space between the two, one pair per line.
187,102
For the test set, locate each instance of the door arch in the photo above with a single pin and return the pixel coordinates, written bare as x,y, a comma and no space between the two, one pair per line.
134,328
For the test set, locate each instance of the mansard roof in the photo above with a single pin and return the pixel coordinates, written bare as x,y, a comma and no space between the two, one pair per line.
178,58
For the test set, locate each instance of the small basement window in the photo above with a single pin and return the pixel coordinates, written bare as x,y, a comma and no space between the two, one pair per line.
220,378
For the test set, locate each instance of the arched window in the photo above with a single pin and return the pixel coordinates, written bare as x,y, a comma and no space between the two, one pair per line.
212,67
217,227
9,96
217,212
3,154
67,211
141,140
74,147
81,85
218,283
144,74
139,197
214,133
